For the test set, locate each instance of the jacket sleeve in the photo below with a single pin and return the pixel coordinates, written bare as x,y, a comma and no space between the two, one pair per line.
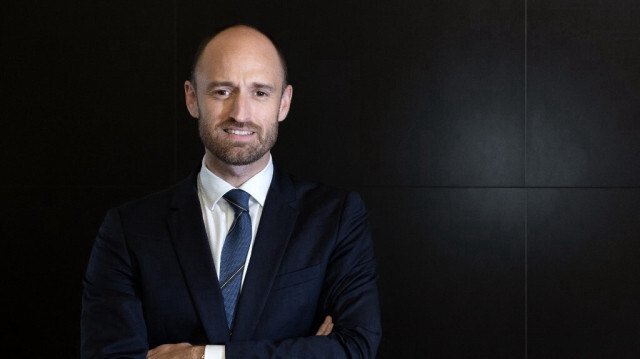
349,295
112,321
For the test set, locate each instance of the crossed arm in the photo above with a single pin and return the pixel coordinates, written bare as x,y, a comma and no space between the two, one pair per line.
188,351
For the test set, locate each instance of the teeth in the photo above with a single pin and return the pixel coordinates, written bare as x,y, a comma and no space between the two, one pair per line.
238,132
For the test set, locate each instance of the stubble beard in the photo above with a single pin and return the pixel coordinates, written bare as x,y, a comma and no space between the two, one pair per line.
237,154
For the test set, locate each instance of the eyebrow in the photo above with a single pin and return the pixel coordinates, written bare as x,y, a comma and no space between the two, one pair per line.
255,85
260,86
214,84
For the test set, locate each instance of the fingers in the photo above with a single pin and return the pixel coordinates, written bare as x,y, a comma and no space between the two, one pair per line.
326,327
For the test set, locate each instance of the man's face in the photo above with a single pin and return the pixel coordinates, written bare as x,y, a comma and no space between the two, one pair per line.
238,96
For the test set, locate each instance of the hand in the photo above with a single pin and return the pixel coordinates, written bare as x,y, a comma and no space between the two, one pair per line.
326,327
176,351
188,351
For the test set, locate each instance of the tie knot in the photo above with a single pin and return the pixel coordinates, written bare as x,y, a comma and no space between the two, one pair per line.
238,199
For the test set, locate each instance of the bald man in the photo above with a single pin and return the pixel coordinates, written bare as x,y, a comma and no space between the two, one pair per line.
307,286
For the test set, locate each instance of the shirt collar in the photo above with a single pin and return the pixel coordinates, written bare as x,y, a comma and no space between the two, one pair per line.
212,187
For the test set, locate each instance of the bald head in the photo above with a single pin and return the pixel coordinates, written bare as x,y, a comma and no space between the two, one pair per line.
238,39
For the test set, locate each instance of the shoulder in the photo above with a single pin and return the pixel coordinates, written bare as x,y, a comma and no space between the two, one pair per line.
312,195
159,203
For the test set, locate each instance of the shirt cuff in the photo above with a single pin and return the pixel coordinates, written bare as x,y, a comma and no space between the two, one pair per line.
214,352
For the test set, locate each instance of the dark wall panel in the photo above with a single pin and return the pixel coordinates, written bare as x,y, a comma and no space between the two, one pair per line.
418,93
442,89
452,274
583,89
584,273
89,93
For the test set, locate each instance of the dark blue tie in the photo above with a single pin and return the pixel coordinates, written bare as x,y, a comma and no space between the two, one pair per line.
234,251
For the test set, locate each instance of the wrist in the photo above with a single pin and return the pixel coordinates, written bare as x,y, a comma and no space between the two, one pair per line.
199,351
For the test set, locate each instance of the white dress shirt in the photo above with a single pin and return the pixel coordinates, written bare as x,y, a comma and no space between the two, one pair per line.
218,216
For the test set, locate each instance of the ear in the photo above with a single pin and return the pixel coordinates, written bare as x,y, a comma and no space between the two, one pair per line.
191,99
285,103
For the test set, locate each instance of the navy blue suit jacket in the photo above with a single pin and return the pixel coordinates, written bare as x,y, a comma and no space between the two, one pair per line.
151,278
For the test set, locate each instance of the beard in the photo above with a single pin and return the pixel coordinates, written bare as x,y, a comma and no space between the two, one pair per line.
237,154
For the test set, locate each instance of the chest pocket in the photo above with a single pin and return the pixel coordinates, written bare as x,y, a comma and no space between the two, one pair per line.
297,277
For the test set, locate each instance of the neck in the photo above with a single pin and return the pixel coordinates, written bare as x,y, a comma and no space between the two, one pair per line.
232,174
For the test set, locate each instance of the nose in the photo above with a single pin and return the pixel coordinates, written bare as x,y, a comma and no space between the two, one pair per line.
240,108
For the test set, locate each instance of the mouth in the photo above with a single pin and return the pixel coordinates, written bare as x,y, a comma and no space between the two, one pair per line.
239,132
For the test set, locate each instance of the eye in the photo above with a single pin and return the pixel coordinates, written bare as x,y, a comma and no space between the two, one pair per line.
222,92
261,94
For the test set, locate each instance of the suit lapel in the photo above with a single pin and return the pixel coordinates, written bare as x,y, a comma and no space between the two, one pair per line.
193,251
276,225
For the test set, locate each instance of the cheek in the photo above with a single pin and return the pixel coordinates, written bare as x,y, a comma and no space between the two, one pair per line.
270,114
214,112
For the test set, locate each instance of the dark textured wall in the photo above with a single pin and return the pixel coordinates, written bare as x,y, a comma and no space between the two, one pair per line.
496,143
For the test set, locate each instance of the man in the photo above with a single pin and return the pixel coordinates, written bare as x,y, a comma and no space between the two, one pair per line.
306,285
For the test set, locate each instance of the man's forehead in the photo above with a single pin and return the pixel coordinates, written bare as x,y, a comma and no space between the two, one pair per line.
229,67
230,61
250,74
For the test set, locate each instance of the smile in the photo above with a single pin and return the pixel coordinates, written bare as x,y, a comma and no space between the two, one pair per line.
239,132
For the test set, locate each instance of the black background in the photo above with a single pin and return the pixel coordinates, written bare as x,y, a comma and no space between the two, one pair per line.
496,144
